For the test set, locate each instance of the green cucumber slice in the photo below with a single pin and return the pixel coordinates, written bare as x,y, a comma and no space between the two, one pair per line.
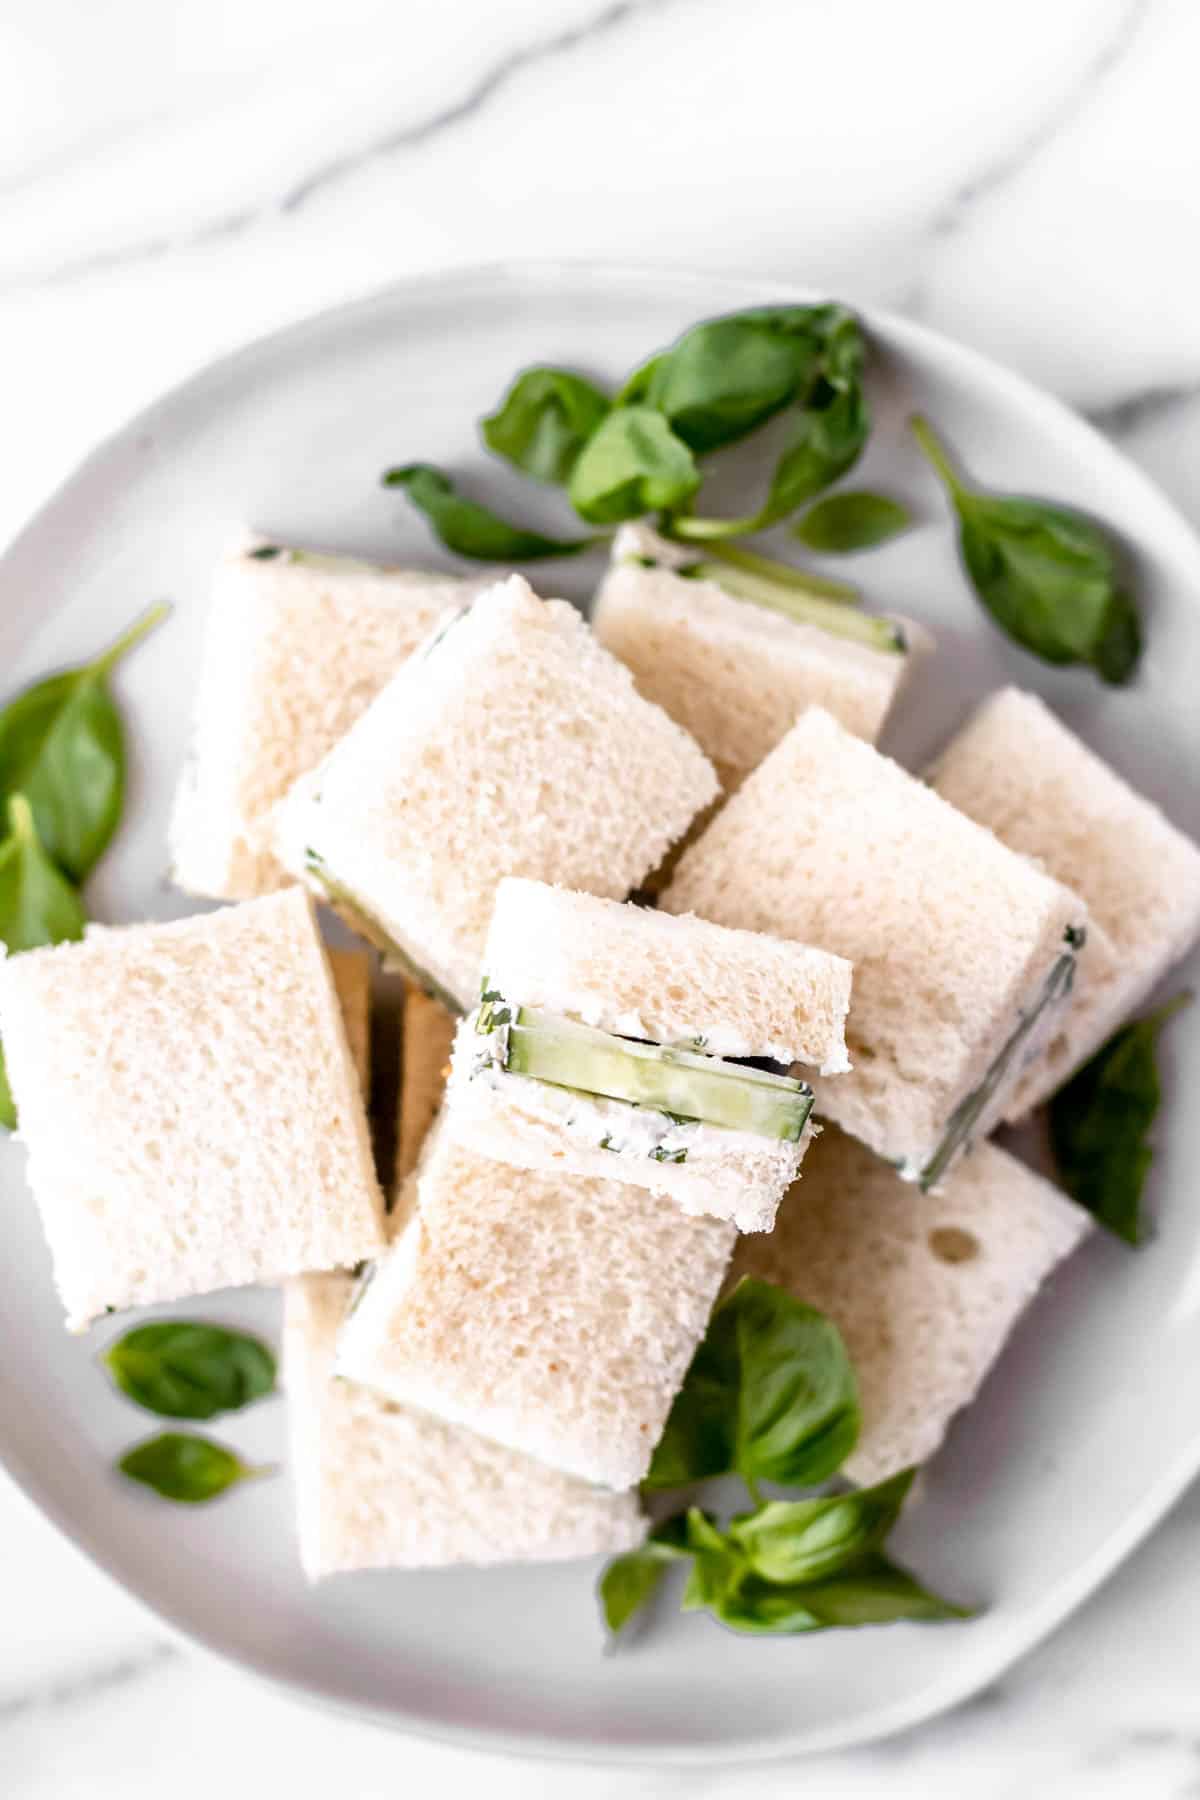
960,1126
832,616
679,1082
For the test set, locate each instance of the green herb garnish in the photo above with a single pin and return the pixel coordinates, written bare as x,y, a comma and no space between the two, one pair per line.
1048,576
470,529
1099,1122
62,745
183,1370
850,521
544,421
633,464
771,1396
38,906
186,1468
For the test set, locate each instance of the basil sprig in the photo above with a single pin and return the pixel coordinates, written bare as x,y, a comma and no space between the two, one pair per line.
186,1468
62,745
771,1395
184,1370
632,464
1049,577
851,520
470,529
38,906
544,421
1099,1123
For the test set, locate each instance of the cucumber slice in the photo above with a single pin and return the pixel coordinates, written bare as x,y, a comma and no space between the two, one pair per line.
677,1082
1009,1060
833,616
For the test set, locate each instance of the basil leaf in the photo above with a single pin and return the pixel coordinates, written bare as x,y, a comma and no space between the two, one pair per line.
724,379
62,746
185,1468
632,464
470,529
770,1395
875,1592
629,1581
1048,576
183,1370
543,422
851,521
38,906
808,1540
1099,1122
832,427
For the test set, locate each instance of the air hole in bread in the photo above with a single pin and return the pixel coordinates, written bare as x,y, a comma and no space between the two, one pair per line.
951,1244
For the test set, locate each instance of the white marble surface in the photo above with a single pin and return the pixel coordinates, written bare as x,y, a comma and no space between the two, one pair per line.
178,175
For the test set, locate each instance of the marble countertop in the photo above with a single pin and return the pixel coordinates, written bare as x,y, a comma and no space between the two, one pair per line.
178,176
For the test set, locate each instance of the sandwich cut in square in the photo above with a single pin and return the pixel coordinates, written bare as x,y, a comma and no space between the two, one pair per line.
297,645
190,1107
512,744
380,1485
735,656
924,1288
549,1312
621,1043
1016,768
964,953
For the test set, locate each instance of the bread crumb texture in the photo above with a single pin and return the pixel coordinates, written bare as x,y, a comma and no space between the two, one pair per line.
1016,768
295,651
734,674
518,746
951,933
553,1314
924,1288
190,1107
381,1485
643,973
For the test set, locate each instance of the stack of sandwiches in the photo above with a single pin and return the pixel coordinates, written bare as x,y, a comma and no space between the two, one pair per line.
606,1113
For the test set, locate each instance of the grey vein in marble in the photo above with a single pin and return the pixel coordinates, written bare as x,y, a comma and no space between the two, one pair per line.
232,224
1147,407
86,1684
961,205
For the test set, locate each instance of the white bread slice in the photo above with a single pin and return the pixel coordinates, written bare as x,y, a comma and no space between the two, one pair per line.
190,1107
1016,768
512,745
925,1288
554,1315
428,1041
953,936
351,971
645,974
297,645
379,1485
554,1131
734,674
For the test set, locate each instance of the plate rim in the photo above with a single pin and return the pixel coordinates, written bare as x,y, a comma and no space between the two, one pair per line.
978,368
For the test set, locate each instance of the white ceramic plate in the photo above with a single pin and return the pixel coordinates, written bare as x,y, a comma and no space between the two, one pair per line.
1091,1425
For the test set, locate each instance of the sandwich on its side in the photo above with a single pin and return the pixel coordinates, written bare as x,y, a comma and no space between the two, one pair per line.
735,659
924,1288
964,953
427,1044
379,1485
1015,768
297,645
553,1314
623,1044
190,1107
511,744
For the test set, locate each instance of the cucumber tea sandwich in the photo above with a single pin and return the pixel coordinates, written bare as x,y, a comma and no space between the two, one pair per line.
617,1042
